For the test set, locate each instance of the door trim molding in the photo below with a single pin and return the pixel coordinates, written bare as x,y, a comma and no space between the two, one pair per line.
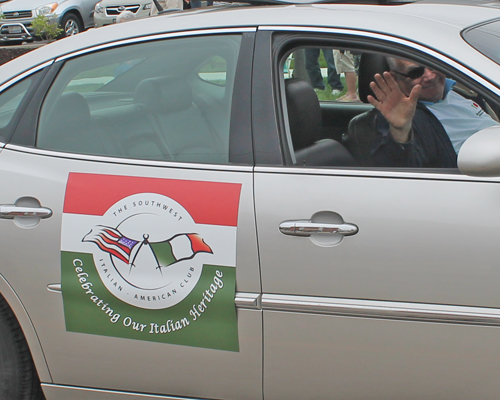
383,309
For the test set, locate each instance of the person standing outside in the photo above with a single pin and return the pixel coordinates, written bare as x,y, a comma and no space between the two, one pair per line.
314,71
344,63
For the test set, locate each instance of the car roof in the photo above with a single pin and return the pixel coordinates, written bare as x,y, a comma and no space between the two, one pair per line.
443,18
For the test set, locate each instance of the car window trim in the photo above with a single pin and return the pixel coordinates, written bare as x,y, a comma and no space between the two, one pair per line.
129,161
25,131
241,145
25,74
39,73
364,40
427,174
357,35
162,36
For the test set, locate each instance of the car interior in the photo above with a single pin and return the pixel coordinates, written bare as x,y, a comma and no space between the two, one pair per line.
152,106
319,129
171,100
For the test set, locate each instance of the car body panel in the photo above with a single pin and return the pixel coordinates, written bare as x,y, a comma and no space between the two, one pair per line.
28,329
396,271
367,310
61,348
360,358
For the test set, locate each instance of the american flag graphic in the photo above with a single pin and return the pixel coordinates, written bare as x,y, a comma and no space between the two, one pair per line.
112,241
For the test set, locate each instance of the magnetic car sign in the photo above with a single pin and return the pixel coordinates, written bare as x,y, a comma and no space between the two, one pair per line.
150,259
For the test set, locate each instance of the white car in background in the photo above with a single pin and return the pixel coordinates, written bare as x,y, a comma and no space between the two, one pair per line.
107,11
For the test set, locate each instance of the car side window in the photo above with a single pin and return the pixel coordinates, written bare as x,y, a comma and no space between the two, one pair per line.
10,101
345,129
163,100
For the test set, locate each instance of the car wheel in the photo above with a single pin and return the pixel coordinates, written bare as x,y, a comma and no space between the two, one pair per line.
18,377
70,25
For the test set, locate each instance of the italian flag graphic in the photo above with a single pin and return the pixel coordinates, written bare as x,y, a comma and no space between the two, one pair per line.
181,247
151,259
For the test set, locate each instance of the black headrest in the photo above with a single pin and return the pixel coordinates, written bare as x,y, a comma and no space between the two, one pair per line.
304,112
164,94
369,65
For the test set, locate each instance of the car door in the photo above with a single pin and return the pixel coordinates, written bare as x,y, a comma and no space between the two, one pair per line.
378,283
130,221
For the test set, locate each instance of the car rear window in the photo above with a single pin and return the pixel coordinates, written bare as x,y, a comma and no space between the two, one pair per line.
486,39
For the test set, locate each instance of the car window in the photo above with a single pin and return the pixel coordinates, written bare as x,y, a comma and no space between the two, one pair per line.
164,100
330,118
486,39
327,69
10,101
214,71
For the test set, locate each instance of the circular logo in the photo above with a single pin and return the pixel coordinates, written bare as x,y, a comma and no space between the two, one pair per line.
146,248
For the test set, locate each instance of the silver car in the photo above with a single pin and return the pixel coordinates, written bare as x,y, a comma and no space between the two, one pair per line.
72,16
182,218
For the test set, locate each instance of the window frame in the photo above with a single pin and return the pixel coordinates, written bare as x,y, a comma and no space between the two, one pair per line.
37,74
240,148
286,38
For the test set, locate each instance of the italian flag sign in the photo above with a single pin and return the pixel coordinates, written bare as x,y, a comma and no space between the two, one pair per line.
151,259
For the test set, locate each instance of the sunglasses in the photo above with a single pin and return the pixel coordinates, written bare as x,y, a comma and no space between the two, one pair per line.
414,73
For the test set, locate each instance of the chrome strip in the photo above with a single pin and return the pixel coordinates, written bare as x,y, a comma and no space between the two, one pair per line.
371,173
54,287
118,160
25,74
66,392
387,38
383,309
248,300
140,39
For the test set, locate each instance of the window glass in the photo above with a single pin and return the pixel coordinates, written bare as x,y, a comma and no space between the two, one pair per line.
214,71
145,101
486,39
10,100
398,126
330,71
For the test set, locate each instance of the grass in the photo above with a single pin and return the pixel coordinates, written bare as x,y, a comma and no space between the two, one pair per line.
326,95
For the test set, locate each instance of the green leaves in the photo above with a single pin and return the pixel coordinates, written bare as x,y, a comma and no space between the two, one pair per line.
47,30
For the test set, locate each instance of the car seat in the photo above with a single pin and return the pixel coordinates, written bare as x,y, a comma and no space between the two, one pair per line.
305,120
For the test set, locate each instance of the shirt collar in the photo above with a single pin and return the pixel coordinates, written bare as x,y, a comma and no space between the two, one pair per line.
448,85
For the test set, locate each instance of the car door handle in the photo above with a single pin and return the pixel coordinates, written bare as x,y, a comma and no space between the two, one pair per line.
308,228
11,211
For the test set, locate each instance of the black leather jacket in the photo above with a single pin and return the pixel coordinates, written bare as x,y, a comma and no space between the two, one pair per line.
371,143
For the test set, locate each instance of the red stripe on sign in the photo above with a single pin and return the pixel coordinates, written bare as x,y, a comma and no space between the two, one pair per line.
213,203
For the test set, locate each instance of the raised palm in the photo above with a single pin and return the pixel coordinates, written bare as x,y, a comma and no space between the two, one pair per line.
397,108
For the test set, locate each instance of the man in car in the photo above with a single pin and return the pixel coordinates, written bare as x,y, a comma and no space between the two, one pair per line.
418,120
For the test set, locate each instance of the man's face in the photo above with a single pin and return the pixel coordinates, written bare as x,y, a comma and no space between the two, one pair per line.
432,81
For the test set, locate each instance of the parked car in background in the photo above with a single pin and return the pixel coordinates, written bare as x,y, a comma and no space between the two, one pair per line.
72,16
181,218
107,11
